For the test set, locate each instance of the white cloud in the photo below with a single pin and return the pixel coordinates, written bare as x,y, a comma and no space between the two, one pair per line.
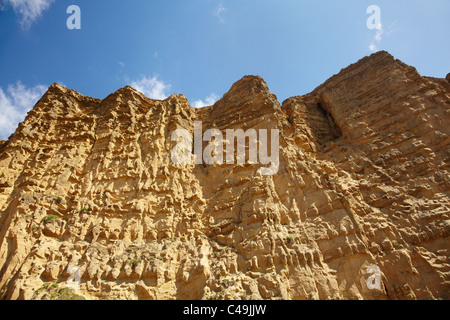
219,12
14,105
209,101
29,10
391,28
122,64
152,87
376,40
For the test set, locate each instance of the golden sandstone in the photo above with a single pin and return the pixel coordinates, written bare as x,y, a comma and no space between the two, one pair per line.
363,184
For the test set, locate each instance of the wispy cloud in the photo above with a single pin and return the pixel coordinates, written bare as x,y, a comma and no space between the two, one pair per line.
15,102
152,87
391,28
374,44
381,34
209,101
219,12
28,10
122,64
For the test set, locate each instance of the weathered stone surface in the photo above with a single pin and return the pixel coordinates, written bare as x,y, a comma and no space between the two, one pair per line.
363,181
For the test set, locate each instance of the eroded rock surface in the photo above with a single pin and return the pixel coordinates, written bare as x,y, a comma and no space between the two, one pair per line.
363,181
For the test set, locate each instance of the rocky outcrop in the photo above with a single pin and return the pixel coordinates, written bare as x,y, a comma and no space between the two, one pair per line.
363,181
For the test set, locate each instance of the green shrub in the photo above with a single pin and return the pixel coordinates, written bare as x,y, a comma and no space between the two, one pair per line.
53,292
398,246
65,294
49,218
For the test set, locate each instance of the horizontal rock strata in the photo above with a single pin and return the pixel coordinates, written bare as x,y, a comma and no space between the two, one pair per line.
363,181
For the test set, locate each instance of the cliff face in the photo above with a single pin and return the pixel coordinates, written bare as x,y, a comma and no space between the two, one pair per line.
363,181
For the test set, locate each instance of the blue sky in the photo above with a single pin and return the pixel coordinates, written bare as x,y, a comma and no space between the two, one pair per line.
201,47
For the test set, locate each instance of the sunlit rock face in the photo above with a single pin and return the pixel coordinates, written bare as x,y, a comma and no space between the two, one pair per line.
363,184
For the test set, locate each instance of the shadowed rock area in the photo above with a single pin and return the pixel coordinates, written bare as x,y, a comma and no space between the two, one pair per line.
363,181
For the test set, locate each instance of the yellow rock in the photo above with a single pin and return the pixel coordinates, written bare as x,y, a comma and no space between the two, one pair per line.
363,182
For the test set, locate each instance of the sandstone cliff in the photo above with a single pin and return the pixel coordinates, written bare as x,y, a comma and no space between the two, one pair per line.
363,181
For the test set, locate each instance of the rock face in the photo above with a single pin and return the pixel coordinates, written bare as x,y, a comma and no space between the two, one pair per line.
363,181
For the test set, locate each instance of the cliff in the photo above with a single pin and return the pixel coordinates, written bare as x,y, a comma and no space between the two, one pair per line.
363,181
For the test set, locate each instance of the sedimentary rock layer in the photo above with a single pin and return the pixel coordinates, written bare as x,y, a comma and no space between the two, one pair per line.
363,181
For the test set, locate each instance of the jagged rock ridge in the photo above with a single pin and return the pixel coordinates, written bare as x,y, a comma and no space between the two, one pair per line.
363,181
